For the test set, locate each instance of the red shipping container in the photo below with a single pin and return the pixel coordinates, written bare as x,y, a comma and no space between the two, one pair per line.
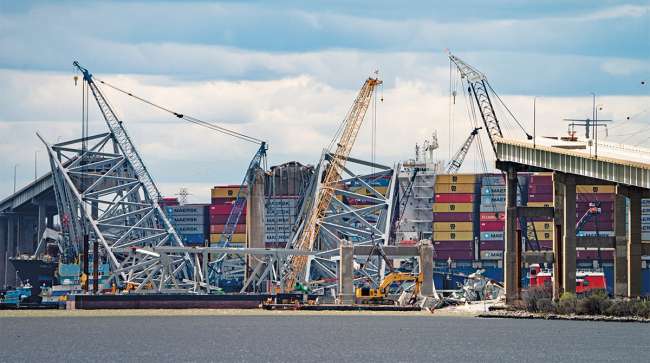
492,245
492,216
218,228
223,209
540,189
453,245
452,217
454,198
223,200
593,254
454,255
541,180
540,197
217,219
492,226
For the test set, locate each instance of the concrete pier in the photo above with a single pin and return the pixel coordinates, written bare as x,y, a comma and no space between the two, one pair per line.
512,247
426,268
620,254
569,235
634,245
346,273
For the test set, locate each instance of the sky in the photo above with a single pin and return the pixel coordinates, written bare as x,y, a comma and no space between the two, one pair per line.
288,71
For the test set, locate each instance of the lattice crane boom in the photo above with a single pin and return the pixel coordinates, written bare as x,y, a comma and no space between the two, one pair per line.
352,124
457,161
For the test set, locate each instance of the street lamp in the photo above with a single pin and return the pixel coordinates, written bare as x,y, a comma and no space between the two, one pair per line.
35,164
534,122
15,168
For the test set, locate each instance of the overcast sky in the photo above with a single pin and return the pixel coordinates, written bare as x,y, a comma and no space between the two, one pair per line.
287,71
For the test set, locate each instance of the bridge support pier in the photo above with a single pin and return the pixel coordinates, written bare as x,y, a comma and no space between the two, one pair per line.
620,255
426,268
634,245
4,257
10,272
346,273
569,253
512,246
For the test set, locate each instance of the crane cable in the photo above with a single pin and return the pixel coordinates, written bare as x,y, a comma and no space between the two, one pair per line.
190,119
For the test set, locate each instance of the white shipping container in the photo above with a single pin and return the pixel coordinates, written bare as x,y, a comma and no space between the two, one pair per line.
186,210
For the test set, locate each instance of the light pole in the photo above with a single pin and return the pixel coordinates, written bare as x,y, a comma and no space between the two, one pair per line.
35,164
534,122
15,168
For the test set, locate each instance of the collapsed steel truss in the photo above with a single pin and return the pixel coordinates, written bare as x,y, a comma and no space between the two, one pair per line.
101,196
367,225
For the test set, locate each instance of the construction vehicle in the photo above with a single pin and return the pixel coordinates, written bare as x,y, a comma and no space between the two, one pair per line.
380,295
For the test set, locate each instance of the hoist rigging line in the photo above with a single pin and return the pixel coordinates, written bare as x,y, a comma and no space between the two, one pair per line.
191,119
349,131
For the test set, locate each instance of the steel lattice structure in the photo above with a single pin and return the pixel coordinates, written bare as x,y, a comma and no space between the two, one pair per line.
368,225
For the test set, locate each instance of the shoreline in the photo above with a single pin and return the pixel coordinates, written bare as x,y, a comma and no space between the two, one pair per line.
524,315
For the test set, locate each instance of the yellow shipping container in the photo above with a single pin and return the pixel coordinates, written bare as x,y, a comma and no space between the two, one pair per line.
545,235
540,204
456,179
453,236
543,226
366,191
453,226
595,189
227,191
236,238
455,188
453,207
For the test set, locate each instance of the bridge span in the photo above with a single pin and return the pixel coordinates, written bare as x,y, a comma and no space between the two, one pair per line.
572,162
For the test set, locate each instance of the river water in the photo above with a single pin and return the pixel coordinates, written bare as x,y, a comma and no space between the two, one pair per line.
283,338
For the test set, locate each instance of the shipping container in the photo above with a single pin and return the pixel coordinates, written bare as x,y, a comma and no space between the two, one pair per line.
236,238
596,189
540,204
541,179
491,216
453,226
454,188
492,236
542,226
179,220
491,199
545,235
645,219
223,209
594,254
456,179
492,245
540,198
453,245
223,218
280,219
645,236
645,202
595,197
545,244
453,207
488,226
453,236
190,228
228,191
540,189
491,254
366,191
594,233
493,179
645,210
187,210
217,201
493,190
453,255
454,198
197,239
492,208
219,228
452,217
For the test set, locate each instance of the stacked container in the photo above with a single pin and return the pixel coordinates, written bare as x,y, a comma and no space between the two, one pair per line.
540,194
281,213
454,210
190,222
492,216
645,220
593,195
223,200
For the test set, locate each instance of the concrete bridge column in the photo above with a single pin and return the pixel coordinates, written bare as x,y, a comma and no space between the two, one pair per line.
569,235
512,247
346,273
426,268
634,245
3,251
558,232
50,219
620,257
10,272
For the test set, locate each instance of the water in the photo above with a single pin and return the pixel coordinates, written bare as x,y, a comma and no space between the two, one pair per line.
318,338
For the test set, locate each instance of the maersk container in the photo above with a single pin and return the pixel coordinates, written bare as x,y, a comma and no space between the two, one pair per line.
280,219
492,208
645,219
186,219
453,245
598,233
489,199
493,190
187,210
190,229
492,236
645,202
454,198
197,239
452,217
493,179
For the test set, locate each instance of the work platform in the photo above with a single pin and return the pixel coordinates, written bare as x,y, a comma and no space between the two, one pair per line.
576,162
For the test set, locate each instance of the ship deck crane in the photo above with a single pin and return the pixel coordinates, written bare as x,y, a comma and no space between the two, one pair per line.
350,128
457,161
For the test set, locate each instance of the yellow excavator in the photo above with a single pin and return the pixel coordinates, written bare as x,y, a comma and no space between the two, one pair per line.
367,295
